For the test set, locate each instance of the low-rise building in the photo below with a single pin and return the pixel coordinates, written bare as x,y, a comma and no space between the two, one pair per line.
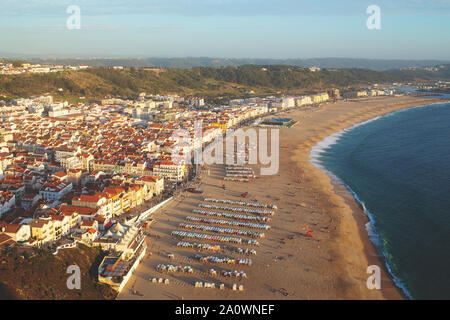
55,190
19,233
42,231
62,225
170,171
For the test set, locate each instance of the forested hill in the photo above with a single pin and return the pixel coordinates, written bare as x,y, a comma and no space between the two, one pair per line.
96,83
289,77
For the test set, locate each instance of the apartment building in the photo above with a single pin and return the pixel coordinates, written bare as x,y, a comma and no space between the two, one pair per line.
170,171
55,190
98,201
62,225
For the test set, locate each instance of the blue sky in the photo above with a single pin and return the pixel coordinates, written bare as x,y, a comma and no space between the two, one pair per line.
410,29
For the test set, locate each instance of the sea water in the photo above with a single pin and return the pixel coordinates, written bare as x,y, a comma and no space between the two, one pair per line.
398,168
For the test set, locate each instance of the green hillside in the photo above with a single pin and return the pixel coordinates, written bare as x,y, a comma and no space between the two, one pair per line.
97,83
441,73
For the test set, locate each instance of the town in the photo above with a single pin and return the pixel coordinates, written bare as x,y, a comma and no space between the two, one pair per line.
93,173
21,68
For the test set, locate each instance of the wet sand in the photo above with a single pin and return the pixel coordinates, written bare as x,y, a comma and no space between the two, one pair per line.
288,265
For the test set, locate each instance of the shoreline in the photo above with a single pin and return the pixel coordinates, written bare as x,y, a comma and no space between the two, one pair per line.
366,223
374,253
329,265
361,217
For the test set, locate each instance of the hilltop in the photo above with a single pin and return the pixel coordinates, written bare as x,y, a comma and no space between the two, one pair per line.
96,83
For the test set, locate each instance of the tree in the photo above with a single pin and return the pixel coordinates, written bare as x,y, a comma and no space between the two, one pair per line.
17,63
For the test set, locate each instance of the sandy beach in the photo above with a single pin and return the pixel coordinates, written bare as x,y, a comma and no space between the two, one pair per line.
331,264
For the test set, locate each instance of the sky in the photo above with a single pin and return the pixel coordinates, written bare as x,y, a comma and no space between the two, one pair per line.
410,29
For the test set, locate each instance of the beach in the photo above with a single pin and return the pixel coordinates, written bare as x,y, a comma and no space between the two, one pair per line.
331,264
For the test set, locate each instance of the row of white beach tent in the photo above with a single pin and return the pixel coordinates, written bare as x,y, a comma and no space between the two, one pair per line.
237,170
199,246
238,232
241,203
236,216
237,166
229,274
225,260
239,176
214,238
234,169
210,285
249,252
229,222
238,209
160,280
235,179
243,172
172,268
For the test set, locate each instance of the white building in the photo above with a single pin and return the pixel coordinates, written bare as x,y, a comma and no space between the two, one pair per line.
288,102
55,190
169,171
18,232
304,101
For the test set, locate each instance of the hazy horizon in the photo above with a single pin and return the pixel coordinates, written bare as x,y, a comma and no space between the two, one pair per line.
254,29
50,56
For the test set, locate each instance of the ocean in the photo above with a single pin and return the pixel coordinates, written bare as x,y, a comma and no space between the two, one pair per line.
398,168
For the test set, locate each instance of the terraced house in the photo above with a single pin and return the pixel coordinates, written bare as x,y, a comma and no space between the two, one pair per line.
42,231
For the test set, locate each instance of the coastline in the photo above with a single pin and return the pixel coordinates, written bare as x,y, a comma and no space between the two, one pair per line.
329,265
365,223
373,254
